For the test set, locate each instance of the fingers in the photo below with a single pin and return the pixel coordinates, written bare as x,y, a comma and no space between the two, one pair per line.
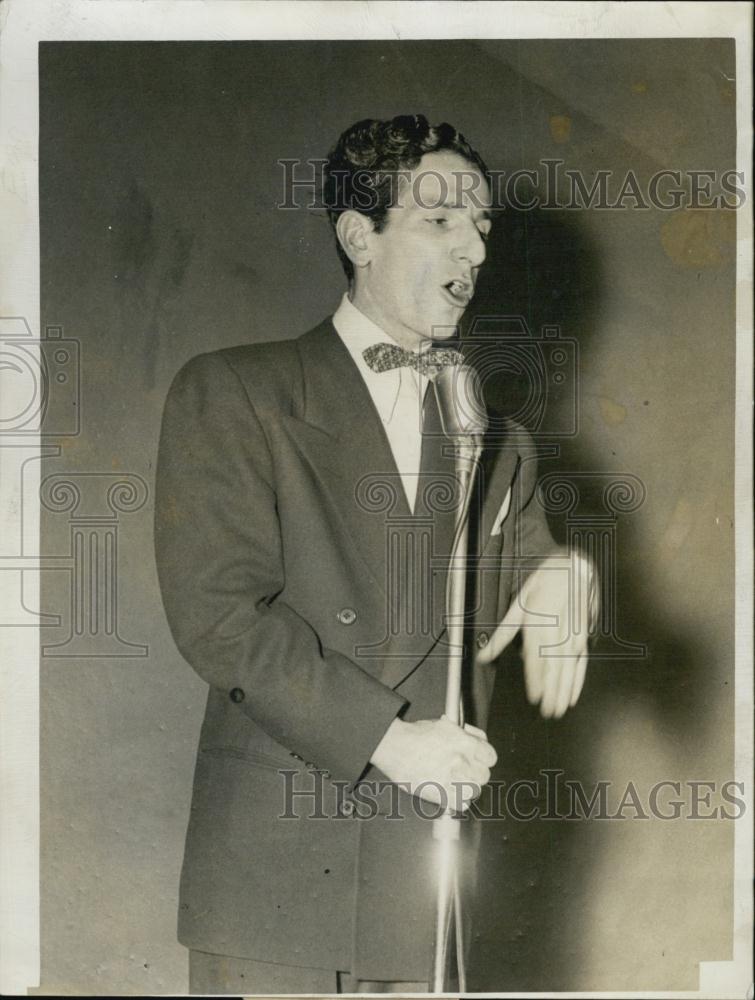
504,633
563,680
480,751
439,761
534,667
470,744
472,766
469,728
463,791
551,673
553,681
485,752
579,680
472,759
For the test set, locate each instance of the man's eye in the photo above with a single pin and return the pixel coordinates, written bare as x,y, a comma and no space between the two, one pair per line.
438,221
485,234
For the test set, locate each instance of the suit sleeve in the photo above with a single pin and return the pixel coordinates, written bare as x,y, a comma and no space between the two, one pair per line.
221,569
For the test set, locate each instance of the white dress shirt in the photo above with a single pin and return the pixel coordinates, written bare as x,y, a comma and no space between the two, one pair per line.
398,394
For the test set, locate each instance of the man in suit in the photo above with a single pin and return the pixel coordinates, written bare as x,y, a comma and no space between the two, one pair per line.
304,520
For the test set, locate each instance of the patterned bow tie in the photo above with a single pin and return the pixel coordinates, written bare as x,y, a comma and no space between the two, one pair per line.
384,357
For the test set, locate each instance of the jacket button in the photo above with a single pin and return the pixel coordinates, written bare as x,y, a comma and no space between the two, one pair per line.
347,616
237,695
482,640
347,807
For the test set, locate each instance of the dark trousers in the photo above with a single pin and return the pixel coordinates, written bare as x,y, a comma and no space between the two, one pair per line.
219,974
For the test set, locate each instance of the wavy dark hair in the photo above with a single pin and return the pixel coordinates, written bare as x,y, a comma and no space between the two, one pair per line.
363,166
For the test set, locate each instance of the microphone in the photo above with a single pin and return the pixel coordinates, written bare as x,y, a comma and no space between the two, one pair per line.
458,392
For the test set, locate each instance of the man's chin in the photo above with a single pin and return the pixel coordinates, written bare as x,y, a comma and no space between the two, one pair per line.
445,325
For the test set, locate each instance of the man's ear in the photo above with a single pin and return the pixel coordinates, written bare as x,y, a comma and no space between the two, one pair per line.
354,230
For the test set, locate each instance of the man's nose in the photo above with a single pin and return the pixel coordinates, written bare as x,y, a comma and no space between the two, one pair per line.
471,246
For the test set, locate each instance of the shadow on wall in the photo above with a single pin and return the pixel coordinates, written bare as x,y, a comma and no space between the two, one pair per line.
533,917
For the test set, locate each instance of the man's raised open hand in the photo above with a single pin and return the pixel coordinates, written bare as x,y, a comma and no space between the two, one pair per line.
557,610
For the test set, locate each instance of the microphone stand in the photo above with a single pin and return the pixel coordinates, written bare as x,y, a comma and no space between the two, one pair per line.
447,828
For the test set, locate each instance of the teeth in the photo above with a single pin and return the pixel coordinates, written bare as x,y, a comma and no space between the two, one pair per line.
457,288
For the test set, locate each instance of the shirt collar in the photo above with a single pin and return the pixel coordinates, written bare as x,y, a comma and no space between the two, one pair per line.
358,329
358,332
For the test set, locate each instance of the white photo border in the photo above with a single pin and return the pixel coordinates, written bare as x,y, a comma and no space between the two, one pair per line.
25,23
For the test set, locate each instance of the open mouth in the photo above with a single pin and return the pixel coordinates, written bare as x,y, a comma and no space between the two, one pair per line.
460,292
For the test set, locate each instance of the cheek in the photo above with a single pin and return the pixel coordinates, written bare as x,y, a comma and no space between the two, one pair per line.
424,277
410,282
412,274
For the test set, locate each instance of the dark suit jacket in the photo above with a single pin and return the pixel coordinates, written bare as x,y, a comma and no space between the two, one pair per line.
273,556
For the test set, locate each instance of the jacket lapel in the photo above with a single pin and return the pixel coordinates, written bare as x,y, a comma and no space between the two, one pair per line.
342,433
339,430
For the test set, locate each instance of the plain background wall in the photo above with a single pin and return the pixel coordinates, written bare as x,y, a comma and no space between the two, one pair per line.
160,239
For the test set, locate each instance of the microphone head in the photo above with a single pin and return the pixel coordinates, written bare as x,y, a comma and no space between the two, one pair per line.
458,391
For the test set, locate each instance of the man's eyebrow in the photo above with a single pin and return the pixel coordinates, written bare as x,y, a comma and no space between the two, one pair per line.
485,213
